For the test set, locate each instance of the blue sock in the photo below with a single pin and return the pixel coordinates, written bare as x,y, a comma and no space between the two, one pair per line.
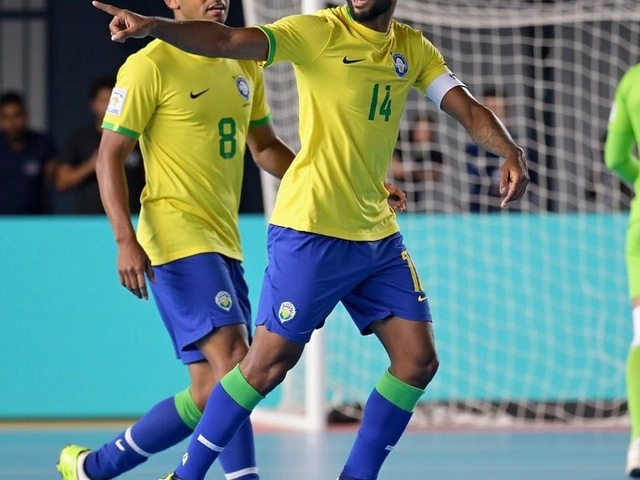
386,415
228,408
238,459
160,428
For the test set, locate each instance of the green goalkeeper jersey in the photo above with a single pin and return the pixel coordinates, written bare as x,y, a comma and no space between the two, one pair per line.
624,131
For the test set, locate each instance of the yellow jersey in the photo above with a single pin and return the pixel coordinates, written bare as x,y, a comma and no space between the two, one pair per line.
191,115
353,84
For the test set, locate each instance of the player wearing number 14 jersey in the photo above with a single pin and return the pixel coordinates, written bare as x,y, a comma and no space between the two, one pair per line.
332,236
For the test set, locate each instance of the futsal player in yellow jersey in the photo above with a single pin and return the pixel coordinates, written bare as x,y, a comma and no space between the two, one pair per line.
332,236
192,116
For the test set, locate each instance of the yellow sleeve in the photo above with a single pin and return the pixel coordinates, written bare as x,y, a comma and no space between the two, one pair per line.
298,39
260,113
433,65
134,98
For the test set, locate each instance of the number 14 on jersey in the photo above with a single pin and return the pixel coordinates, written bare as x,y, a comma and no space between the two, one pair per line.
385,105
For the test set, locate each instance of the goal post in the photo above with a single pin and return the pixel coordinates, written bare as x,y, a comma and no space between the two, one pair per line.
309,377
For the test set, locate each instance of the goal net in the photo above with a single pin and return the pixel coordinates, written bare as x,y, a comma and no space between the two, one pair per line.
530,306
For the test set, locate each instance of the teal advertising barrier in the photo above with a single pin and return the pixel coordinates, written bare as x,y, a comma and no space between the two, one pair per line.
74,343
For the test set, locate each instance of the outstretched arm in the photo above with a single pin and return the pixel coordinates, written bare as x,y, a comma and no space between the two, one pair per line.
489,133
199,37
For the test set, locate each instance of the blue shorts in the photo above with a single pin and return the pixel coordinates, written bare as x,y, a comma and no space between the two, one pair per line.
308,274
197,294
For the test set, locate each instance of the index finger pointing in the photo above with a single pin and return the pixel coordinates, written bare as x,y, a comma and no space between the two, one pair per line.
106,8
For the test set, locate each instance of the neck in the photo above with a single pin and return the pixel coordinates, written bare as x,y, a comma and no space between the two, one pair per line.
381,23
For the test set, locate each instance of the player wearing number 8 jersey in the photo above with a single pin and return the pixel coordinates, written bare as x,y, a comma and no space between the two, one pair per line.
332,238
192,116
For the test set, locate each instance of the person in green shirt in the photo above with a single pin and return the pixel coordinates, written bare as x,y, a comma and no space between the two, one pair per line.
622,134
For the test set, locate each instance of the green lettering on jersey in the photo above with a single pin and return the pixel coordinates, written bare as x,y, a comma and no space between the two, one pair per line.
385,107
228,144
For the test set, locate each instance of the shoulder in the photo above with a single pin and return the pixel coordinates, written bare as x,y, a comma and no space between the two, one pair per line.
148,58
310,23
630,80
332,15
408,35
633,72
406,30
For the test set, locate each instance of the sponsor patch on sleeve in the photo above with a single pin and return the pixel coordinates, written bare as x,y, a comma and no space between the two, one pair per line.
116,104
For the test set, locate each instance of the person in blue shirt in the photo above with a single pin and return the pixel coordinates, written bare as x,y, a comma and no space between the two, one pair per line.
27,160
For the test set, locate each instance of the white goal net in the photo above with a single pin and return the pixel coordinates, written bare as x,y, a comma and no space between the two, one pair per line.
530,306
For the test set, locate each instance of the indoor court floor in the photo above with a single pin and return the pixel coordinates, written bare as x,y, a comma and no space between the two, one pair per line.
31,453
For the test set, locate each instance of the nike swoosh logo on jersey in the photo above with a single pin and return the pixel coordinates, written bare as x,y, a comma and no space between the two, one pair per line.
422,298
196,95
346,61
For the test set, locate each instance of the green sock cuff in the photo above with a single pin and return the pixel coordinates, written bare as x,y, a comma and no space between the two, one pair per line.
187,409
401,394
240,390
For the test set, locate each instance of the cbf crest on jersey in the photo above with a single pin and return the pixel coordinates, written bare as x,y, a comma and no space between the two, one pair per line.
223,300
243,87
287,311
400,64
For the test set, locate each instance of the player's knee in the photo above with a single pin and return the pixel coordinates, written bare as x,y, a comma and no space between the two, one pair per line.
265,378
417,370
425,369
224,365
200,391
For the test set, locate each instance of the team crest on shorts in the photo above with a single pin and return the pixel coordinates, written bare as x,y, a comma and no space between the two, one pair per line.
287,311
400,64
223,300
243,87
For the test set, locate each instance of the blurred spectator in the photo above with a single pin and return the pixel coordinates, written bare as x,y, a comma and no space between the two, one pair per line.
418,166
77,165
484,167
27,160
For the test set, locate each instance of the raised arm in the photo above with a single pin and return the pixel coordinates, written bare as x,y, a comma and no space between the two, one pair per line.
489,133
199,37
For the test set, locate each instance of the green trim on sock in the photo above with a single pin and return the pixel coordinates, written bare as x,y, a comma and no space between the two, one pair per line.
240,390
187,409
401,394
633,390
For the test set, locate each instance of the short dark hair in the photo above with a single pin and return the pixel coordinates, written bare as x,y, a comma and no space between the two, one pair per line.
101,83
11,98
